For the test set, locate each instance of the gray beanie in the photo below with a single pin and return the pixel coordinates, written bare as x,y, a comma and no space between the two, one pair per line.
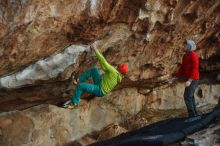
191,45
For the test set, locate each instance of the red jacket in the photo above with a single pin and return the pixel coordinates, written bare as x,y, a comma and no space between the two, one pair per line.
190,66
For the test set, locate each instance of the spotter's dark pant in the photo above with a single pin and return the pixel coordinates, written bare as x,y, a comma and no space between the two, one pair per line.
190,99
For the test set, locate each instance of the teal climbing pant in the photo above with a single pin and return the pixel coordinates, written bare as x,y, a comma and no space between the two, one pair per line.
89,88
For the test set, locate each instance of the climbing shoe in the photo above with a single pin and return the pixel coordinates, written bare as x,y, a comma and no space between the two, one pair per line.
66,104
75,81
69,105
72,106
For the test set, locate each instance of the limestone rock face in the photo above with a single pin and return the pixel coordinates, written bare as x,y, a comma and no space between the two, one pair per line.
46,43
15,129
147,35
172,97
32,30
51,125
111,131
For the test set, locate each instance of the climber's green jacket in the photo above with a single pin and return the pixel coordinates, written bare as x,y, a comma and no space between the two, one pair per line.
102,85
111,77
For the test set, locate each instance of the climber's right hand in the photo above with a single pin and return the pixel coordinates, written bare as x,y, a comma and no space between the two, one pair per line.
173,79
93,46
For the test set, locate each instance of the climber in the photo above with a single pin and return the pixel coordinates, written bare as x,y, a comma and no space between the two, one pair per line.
189,70
102,85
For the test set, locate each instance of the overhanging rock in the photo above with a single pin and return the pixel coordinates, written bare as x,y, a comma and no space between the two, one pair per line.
44,69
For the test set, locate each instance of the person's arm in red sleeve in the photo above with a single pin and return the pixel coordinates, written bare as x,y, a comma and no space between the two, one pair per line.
194,60
179,72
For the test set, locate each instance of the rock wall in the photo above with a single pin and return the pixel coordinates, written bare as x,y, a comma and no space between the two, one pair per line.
145,34
172,97
51,125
